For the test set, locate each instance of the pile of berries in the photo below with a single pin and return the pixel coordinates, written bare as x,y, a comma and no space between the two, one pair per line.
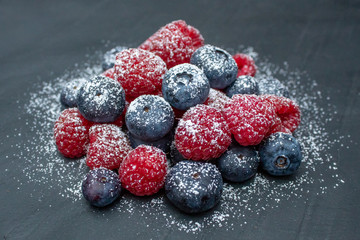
177,114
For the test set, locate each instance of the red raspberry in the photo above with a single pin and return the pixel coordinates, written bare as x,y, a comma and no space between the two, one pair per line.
202,133
249,117
71,133
144,170
139,72
108,147
245,64
287,114
109,73
216,99
174,43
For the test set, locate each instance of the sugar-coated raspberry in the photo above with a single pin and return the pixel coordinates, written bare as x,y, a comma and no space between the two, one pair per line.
245,64
174,43
216,99
139,72
108,146
144,170
202,133
287,114
109,57
249,117
109,73
71,133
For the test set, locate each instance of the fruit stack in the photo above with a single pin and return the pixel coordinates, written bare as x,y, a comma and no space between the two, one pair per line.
175,101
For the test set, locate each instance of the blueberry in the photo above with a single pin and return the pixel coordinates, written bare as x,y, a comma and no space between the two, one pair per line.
218,65
101,100
109,57
101,187
163,143
280,154
175,155
194,186
149,117
238,163
185,86
243,85
272,86
70,91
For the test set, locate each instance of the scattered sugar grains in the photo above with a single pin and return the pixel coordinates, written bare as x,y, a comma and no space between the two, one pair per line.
43,164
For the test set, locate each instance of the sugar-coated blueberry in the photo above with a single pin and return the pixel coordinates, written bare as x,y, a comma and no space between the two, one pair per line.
243,85
280,154
101,187
149,117
272,86
218,65
70,91
194,186
101,100
185,86
238,163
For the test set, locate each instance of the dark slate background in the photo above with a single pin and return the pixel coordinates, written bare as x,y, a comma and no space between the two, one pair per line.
43,38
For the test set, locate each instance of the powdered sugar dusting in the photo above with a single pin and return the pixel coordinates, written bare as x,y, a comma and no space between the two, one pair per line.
43,165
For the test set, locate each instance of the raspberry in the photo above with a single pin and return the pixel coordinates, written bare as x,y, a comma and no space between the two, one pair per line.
287,114
71,133
108,147
202,133
249,117
144,170
109,57
139,72
216,99
174,43
245,64
109,73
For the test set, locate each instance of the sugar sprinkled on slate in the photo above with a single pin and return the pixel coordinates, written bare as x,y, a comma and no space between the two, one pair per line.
43,165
